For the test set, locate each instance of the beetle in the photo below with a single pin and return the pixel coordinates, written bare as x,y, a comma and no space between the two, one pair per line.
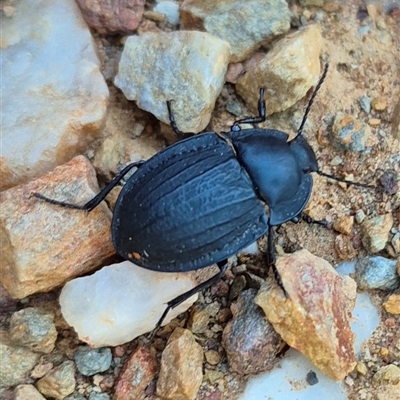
200,200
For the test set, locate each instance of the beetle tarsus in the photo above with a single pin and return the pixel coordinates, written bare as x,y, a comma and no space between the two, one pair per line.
91,204
222,265
252,120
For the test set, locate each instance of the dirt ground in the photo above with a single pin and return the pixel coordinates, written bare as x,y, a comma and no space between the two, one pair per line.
360,65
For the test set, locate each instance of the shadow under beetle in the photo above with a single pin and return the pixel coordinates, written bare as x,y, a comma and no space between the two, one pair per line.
199,201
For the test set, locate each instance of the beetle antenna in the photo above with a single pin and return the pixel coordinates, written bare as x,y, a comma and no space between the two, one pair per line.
321,81
346,181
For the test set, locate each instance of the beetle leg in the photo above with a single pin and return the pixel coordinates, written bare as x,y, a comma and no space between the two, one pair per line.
222,265
174,126
271,259
306,218
252,120
91,204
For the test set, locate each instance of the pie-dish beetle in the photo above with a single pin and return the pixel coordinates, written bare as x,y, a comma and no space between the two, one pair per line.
200,200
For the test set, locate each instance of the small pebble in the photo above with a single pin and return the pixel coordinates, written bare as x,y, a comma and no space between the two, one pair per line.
388,374
365,103
92,361
59,382
374,122
392,304
361,368
212,357
360,216
377,272
312,378
379,104
99,396
33,328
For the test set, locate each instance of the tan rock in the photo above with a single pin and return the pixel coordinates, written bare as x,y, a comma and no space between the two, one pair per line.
344,247
181,367
344,224
315,318
25,392
290,68
59,382
388,374
44,245
392,304
379,104
376,232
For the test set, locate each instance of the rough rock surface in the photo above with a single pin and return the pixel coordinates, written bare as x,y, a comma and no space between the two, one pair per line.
376,232
138,371
59,382
109,297
250,342
121,16
315,317
33,328
184,357
244,25
377,272
155,68
286,72
44,245
16,362
56,77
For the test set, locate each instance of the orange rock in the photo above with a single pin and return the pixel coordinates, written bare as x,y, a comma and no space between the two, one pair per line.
181,367
315,317
45,245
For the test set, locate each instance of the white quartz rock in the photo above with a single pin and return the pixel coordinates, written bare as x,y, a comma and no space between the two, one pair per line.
121,301
54,97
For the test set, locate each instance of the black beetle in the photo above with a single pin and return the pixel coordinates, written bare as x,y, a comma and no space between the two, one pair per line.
199,201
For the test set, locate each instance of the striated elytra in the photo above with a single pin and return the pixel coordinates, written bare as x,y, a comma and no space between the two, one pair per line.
201,200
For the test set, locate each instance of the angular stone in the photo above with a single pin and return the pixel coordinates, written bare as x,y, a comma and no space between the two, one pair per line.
56,77
344,248
392,304
138,371
250,342
376,232
181,367
388,374
121,301
244,25
33,328
59,382
44,245
344,224
27,392
117,16
290,68
155,68
16,362
92,361
315,317
349,133
377,273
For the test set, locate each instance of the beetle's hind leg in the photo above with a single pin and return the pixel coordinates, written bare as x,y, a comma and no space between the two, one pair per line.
252,120
222,265
91,204
271,259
